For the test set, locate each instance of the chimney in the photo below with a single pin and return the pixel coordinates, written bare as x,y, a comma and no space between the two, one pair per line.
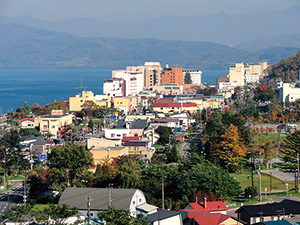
205,202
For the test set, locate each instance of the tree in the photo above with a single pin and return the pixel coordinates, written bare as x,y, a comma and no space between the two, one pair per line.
91,124
164,134
172,155
26,108
263,93
250,191
53,214
187,78
119,217
267,148
291,147
75,159
105,173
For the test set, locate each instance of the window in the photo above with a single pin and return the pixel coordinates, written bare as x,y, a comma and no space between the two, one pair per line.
108,156
133,202
53,126
112,135
140,200
161,108
91,214
136,148
136,134
118,135
81,100
121,102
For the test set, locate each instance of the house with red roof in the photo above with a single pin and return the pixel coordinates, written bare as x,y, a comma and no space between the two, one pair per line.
213,207
208,213
27,123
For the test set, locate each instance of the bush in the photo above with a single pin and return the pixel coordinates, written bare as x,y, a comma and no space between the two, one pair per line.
250,191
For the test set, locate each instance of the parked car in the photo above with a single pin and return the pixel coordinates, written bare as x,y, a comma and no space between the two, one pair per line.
282,126
292,125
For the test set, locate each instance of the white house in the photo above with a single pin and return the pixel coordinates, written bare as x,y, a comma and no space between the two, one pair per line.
288,92
195,75
127,199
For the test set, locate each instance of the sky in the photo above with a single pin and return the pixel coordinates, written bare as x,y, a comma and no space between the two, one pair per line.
134,10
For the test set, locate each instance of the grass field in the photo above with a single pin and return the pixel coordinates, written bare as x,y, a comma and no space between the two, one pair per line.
245,180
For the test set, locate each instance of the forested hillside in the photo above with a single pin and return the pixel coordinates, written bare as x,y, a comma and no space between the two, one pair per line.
27,47
286,68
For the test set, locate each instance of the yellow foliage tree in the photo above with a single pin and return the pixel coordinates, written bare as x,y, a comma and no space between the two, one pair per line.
232,149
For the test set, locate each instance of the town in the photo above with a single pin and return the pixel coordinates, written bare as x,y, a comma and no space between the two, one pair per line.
158,146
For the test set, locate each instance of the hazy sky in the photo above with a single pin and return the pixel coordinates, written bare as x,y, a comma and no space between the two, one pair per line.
134,10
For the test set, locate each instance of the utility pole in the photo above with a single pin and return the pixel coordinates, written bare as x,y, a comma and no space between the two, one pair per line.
25,194
163,192
88,199
278,144
110,194
298,172
259,179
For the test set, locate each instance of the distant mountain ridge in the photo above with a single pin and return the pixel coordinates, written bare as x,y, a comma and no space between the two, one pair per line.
27,47
219,28
292,40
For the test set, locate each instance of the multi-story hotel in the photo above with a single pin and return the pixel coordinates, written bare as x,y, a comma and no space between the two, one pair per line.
172,75
195,75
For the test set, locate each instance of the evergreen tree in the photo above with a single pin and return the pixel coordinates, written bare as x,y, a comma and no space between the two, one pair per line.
187,78
172,155
26,108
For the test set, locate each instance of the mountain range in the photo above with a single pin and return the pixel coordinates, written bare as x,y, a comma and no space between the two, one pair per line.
238,30
27,47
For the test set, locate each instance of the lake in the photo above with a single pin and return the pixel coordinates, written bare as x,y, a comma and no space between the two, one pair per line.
43,86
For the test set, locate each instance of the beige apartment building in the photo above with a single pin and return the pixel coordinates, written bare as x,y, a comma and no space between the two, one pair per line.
108,153
239,71
173,89
76,102
53,123
152,74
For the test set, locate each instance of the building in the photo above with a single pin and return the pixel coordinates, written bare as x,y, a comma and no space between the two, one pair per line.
126,199
175,107
76,103
140,148
253,71
227,85
100,154
253,214
114,87
195,75
27,123
223,78
125,104
288,92
53,123
152,75
168,88
127,127
212,206
165,217
98,143
172,75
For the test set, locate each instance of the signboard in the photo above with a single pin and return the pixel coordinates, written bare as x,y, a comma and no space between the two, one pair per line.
134,153
57,112
42,157
84,129
111,117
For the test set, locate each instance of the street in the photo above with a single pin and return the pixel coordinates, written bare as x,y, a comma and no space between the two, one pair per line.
15,197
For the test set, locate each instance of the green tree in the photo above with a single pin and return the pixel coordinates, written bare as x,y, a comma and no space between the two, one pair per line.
250,191
53,214
26,108
187,78
75,159
164,134
172,155
91,124
119,217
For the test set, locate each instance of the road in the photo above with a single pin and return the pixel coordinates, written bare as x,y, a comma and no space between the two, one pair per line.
15,197
185,146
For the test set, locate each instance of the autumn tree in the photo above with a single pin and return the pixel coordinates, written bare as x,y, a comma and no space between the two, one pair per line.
105,173
263,93
267,148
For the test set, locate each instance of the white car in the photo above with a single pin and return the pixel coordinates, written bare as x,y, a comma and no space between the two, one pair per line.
292,125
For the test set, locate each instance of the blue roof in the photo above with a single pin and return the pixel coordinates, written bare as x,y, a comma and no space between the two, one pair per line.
278,222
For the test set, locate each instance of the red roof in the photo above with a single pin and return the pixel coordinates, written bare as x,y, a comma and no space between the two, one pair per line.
131,138
166,120
24,119
174,104
212,219
211,206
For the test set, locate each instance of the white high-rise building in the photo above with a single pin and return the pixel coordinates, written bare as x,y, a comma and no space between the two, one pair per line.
195,75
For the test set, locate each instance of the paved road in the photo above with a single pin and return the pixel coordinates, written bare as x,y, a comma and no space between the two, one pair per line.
15,197
185,146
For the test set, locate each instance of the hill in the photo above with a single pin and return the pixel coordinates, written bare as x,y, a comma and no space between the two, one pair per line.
288,68
220,28
292,40
27,47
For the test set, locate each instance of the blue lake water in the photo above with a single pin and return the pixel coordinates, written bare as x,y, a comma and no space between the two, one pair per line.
44,86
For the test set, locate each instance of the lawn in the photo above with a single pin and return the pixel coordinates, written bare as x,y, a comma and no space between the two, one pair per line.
245,180
39,207
271,136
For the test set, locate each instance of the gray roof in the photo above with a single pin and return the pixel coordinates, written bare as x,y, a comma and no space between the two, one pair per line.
163,214
76,197
135,124
146,207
